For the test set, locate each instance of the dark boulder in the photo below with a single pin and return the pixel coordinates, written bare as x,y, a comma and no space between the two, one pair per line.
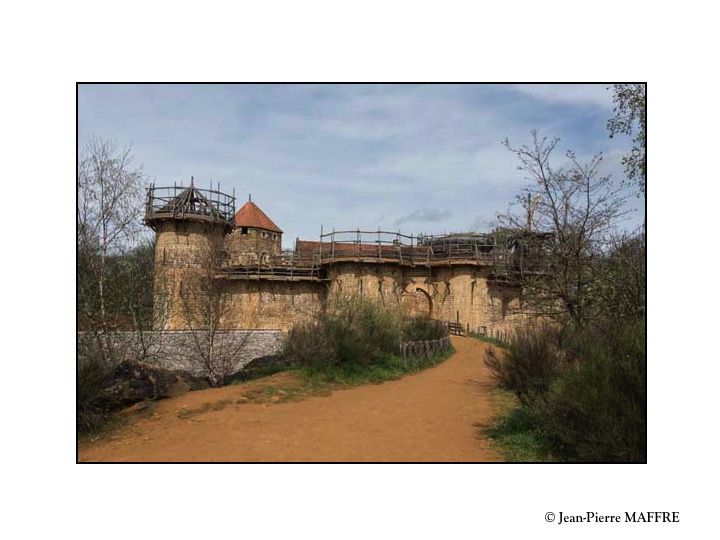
133,382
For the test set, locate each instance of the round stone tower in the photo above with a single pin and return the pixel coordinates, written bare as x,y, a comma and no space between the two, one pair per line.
190,225
254,238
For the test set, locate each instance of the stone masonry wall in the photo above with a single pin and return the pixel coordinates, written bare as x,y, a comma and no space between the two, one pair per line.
455,293
252,246
183,252
382,282
178,350
465,294
276,305
183,243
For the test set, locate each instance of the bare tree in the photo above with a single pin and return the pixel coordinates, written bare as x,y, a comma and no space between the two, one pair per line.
108,223
108,217
579,208
205,304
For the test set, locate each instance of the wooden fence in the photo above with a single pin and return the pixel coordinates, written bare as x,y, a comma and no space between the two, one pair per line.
456,329
503,336
414,350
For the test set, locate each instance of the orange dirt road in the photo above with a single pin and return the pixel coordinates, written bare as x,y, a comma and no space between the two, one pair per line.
428,416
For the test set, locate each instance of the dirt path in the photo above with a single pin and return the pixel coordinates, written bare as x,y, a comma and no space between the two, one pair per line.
429,416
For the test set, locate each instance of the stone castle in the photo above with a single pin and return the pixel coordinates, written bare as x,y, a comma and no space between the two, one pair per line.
252,284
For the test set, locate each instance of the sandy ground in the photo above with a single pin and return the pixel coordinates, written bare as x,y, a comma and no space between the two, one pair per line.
429,416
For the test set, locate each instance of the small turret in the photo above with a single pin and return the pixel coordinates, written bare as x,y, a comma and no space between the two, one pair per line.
255,236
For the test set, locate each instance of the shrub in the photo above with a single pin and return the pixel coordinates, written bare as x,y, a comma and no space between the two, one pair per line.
530,362
597,411
583,389
93,375
364,331
311,344
423,329
354,332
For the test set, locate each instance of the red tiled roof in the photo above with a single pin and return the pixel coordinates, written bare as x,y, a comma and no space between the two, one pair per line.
307,246
349,249
251,216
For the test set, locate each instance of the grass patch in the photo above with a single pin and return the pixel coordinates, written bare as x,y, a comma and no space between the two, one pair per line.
353,375
516,434
205,407
298,384
276,393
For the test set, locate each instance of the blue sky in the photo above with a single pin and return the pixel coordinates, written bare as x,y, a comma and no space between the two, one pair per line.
419,158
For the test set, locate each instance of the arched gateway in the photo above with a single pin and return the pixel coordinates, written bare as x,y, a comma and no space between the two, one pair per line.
417,303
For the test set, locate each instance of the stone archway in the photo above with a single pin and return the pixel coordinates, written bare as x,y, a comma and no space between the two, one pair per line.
417,303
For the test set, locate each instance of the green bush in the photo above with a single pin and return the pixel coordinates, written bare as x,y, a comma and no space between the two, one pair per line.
423,329
355,332
584,389
597,411
310,344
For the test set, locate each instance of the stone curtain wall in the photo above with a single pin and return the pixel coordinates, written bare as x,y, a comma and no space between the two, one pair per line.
176,350
382,283
461,294
278,305
464,295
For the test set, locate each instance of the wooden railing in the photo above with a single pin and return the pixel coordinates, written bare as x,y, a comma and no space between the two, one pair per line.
307,260
479,249
288,265
185,201
456,329
504,337
411,351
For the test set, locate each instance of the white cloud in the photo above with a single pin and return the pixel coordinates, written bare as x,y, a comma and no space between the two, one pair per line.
598,95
